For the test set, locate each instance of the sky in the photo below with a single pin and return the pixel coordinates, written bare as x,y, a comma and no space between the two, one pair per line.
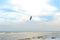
15,14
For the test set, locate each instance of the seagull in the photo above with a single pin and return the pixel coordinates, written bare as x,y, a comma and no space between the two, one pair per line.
30,17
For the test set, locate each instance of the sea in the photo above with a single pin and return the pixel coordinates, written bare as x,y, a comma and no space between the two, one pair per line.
29,35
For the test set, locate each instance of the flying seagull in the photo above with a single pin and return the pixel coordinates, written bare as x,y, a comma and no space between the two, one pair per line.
30,17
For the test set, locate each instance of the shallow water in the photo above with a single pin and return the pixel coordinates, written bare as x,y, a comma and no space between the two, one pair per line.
28,36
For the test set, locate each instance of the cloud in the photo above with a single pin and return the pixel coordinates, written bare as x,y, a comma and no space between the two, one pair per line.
22,9
34,7
17,13
53,25
56,20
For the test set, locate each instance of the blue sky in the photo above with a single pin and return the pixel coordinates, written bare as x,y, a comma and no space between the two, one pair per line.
56,3
15,14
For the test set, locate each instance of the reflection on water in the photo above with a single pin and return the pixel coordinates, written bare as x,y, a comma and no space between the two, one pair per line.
29,35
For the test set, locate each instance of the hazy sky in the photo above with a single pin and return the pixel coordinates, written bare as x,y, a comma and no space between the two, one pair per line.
15,14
